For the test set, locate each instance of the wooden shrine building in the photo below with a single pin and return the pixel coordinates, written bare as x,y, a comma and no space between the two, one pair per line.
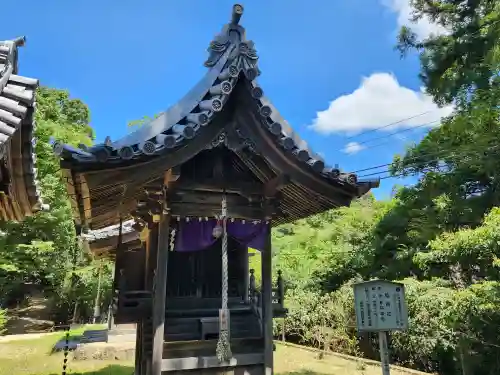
204,181
19,194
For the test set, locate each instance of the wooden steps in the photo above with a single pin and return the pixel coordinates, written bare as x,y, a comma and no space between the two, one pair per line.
181,327
241,362
195,348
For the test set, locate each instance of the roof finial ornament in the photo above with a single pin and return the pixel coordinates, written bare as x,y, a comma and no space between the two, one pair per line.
236,14
19,41
231,35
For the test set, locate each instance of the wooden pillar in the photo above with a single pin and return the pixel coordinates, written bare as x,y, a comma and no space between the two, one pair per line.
110,307
267,308
151,258
246,284
160,293
110,316
139,353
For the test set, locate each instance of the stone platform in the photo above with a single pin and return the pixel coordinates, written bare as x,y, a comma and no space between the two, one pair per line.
124,351
122,333
118,343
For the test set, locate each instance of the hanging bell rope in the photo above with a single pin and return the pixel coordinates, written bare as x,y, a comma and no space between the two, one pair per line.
223,345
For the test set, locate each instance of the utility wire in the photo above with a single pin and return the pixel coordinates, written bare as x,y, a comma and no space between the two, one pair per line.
391,124
392,134
416,157
450,155
478,32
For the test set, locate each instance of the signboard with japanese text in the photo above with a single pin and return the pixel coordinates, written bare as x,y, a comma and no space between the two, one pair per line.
380,306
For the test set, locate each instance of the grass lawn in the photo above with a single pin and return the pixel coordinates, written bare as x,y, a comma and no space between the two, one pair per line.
33,357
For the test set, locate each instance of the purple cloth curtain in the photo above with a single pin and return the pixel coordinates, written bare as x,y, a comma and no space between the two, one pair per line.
195,235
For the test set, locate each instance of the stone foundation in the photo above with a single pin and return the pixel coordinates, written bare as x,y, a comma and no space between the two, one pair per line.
122,333
118,343
105,351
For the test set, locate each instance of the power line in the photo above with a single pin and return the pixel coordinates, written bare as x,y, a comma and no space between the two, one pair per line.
478,32
450,155
392,134
391,124
416,157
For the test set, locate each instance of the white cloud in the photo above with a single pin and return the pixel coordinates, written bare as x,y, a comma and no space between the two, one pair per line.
352,148
423,28
379,100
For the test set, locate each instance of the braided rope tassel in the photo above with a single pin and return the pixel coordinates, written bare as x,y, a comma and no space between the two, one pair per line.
223,345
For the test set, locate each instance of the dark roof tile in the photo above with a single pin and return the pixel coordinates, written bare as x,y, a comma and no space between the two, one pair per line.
17,124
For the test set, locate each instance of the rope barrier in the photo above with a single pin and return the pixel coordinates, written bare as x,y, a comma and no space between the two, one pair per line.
223,344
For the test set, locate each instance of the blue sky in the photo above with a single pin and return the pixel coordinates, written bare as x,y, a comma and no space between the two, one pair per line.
127,59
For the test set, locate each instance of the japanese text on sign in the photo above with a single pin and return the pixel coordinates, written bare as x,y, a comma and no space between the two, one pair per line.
380,306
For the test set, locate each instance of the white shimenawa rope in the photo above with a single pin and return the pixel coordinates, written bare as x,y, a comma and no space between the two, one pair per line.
223,345
172,239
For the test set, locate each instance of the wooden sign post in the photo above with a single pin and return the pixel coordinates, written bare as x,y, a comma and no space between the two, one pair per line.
381,307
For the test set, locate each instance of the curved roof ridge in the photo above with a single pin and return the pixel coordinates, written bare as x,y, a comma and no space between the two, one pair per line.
167,119
194,124
229,54
17,124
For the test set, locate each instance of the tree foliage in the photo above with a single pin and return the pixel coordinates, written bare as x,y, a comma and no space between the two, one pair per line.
43,250
465,56
439,237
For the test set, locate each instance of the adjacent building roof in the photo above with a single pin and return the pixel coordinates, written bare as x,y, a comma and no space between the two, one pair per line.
104,242
19,194
228,107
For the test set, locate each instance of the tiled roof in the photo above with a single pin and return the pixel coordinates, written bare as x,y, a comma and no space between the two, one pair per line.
229,84
17,106
108,232
231,58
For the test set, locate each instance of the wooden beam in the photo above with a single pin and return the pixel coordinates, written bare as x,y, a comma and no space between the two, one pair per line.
203,362
113,241
210,210
275,184
205,197
267,304
171,176
217,185
176,172
160,294
247,115
110,250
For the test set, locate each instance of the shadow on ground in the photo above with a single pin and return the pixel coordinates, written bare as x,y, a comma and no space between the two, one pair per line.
129,370
72,342
108,370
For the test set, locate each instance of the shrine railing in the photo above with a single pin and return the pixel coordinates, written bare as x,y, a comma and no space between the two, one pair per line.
130,306
278,296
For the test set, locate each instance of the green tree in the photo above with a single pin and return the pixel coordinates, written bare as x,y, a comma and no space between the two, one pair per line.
43,249
463,58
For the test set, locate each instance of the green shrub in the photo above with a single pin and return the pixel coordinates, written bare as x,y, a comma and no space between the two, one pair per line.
325,321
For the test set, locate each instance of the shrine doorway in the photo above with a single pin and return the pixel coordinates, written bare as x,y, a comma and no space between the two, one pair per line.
198,274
